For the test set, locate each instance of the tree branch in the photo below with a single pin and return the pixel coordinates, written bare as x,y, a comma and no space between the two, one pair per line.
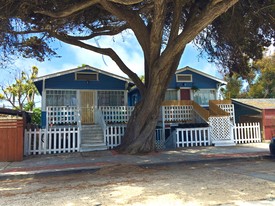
195,25
133,20
113,32
176,21
68,11
104,51
156,31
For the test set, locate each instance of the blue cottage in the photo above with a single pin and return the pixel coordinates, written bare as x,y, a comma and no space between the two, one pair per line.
84,88
189,84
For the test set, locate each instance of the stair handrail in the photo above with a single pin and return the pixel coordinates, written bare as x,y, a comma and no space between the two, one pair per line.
99,119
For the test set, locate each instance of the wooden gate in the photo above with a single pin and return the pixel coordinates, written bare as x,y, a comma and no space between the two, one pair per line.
87,107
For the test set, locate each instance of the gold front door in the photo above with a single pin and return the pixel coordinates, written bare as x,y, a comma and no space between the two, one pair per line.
87,99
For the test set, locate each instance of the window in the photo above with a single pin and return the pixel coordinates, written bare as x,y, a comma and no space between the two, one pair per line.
184,77
60,98
110,98
86,76
171,94
203,96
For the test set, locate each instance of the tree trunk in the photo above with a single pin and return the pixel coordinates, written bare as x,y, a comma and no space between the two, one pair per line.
140,132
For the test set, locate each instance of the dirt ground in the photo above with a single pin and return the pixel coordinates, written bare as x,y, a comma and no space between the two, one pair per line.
222,183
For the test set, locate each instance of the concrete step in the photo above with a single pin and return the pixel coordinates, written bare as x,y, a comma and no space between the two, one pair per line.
88,148
92,141
224,143
92,137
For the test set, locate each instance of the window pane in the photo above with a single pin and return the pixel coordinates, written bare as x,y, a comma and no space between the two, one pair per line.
60,98
171,95
110,98
202,97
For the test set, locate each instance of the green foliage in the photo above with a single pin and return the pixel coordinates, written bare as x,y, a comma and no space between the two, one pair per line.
36,116
239,36
264,84
21,93
233,87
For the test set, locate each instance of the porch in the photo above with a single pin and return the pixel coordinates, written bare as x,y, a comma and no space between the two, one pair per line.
181,124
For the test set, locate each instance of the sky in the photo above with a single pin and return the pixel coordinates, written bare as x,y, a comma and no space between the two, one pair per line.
125,45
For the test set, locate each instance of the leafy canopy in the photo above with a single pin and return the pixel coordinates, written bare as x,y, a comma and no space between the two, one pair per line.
29,27
21,93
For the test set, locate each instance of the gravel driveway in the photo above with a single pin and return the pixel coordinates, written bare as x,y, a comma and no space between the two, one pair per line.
226,183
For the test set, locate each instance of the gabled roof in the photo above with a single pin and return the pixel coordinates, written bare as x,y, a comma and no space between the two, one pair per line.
256,103
86,67
201,73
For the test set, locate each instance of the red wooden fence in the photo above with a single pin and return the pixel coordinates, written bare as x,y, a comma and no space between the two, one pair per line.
11,140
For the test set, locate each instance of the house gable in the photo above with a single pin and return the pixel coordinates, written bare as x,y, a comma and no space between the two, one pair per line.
77,79
196,79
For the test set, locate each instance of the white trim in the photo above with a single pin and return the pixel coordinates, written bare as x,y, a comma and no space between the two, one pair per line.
81,69
190,75
201,73
75,76
125,98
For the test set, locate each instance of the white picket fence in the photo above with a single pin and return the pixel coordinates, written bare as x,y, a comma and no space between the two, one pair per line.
114,134
247,133
193,137
51,141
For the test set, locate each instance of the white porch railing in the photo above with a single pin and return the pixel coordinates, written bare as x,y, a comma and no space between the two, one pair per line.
116,114
99,119
230,109
177,113
247,133
193,137
62,115
52,141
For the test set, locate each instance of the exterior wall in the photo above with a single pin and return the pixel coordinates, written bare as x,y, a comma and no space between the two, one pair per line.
244,111
68,81
198,81
269,123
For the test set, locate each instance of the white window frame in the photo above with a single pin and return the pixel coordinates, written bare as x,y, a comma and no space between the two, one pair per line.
124,93
203,105
44,96
181,75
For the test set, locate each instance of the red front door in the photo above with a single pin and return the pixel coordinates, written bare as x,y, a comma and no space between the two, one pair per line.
185,94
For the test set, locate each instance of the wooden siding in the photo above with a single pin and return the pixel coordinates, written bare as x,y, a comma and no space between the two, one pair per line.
268,123
201,111
226,101
11,140
176,102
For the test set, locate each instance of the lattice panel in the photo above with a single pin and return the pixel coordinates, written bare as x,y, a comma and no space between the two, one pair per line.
230,109
160,144
220,128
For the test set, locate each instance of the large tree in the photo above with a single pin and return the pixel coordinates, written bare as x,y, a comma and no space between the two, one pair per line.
163,28
264,84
